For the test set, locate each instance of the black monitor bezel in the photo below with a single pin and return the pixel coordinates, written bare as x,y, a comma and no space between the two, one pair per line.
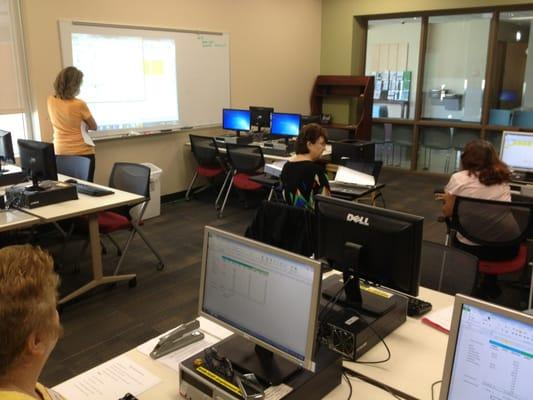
6,138
233,129
284,135
44,150
256,111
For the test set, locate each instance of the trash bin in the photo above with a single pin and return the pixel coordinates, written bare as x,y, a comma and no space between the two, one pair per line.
153,209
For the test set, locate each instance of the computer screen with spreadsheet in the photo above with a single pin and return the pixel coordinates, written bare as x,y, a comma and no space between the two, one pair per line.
267,295
517,150
490,353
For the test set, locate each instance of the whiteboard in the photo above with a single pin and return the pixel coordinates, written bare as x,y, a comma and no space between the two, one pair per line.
194,95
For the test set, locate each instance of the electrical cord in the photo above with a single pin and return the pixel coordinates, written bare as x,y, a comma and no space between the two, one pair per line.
349,384
347,371
389,355
433,388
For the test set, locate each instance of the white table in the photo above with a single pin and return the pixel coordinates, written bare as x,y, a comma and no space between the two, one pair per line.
417,361
84,205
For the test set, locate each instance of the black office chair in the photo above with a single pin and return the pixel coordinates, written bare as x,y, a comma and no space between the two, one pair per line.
245,161
133,178
74,166
205,151
494,224
447,269
284,226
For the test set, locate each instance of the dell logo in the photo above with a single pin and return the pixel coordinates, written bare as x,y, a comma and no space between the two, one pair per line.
357,219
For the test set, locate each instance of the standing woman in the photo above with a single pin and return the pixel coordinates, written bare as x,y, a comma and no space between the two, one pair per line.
67,114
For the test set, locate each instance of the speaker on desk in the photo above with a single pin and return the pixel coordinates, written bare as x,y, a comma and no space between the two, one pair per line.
354,150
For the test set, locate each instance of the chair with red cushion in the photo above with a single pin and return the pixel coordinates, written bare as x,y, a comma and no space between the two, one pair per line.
245,161
206,153
133,178
496,224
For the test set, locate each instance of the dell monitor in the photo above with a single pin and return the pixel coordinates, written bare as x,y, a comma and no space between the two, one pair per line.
517,152
489,354
260,117
377,245
236,120
285,126
38,161
7,155
268,297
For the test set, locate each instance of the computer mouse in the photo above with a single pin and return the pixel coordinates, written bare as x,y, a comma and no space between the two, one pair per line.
71,181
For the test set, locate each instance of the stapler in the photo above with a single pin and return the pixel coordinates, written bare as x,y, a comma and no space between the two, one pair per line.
182,336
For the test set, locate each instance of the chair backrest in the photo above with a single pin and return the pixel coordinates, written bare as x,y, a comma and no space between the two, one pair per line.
131,177
523,119
244,158
447,269
492,223
462,136
436,137
205,150
366,167
500,117
74,166
284,226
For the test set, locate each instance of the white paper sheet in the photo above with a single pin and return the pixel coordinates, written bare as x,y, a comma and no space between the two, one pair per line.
85,134
347,175
110,380
440,319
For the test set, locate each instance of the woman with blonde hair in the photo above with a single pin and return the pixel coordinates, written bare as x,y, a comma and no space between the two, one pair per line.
67,114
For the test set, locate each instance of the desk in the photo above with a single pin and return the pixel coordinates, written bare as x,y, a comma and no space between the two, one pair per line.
85,205
417,360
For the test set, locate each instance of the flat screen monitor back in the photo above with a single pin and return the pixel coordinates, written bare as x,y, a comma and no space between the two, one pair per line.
390,241
7,154
38,160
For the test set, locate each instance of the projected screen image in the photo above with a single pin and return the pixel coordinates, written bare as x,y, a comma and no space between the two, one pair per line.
285,124
517,151
236,120
137,85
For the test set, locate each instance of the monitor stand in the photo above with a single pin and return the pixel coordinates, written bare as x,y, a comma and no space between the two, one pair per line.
353,297
246,357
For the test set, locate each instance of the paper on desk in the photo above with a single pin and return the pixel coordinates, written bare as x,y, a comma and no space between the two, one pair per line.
440,319
110,380
277,392
348,175
85,134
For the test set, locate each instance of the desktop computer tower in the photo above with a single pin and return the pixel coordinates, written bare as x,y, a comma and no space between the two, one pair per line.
353,150
51,193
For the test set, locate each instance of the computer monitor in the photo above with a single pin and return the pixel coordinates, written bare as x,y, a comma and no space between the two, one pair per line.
236,120
260,116
490,353
378,245
516,151
38,161
7,155
264,294
285,125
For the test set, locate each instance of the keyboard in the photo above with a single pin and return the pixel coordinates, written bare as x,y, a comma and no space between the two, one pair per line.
417,307
272,151
91,190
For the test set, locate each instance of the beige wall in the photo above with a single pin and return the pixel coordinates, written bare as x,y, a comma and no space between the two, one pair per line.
337,23
274,53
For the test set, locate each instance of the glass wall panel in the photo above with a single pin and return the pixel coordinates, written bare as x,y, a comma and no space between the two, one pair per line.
454,72
392,57
511,98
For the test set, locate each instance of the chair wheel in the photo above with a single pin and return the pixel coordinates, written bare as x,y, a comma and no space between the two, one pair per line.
160,266
132,282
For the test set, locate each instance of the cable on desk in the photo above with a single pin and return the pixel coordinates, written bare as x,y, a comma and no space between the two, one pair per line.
380,338
349,384
433,388
379,385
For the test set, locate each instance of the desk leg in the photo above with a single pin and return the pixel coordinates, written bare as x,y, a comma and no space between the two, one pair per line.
96,259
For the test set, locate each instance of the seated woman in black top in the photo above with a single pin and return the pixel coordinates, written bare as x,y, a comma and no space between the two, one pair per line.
302,176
